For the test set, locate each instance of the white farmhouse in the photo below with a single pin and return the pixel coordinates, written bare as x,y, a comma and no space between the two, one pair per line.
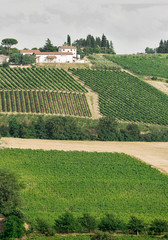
4,58
65,54
54,57
66,49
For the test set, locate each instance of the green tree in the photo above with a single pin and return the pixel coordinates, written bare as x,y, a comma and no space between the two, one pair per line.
107,129
28,59
136,225
43,226
14,228
66,223
48,47
40,128
149,50
16,58
88,222
14,127
68,40
133,130
158,226
104,41
10,188
9,42
110,223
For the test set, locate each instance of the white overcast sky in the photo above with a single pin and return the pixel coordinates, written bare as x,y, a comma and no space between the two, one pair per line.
132,25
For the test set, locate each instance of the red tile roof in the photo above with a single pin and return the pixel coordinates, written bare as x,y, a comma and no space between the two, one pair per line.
54,53
51,57
67,47
30,51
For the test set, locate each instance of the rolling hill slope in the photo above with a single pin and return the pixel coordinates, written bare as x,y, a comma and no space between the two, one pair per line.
42,90
125,97
97,183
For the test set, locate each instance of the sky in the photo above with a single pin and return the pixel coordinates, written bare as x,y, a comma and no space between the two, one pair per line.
132,25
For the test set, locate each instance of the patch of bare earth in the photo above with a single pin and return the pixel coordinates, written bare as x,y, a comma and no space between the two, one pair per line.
153,153
162,86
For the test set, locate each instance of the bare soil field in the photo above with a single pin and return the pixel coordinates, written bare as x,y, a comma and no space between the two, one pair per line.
162,86
153,153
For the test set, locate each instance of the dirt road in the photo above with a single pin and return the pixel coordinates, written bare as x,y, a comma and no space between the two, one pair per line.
154,153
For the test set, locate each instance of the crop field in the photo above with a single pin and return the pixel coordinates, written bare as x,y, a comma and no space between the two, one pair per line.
126,97
38,78
97,183
50,102
41,90
149,65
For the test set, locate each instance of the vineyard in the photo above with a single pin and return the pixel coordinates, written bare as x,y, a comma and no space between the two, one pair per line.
126,97
149,65
51,102
42,90
97,183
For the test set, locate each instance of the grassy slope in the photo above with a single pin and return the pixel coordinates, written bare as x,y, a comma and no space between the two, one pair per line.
143,64
97,183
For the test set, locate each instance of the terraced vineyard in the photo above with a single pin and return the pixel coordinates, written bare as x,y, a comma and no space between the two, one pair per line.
149,65
51,91
126,97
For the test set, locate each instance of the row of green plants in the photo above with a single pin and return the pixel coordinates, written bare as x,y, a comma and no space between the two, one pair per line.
67,128
50,102
143,64
38,78
67,223
100,229
125,97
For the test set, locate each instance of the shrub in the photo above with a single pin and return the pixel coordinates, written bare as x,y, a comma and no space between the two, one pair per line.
110,223
158,226
107,129
88,222
67,224
135,225
10,188
14,228
43,226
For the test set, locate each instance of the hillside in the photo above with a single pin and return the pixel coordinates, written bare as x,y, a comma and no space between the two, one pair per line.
126,97
51,91
143,64
97,183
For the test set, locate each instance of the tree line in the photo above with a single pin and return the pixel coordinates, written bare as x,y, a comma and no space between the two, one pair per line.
91,44
68,128
162,48
85,46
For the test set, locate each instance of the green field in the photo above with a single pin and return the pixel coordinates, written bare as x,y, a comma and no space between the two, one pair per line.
143,64
97,183
126,97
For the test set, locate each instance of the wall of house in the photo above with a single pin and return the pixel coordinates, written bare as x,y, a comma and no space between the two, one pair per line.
73,51
59,59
